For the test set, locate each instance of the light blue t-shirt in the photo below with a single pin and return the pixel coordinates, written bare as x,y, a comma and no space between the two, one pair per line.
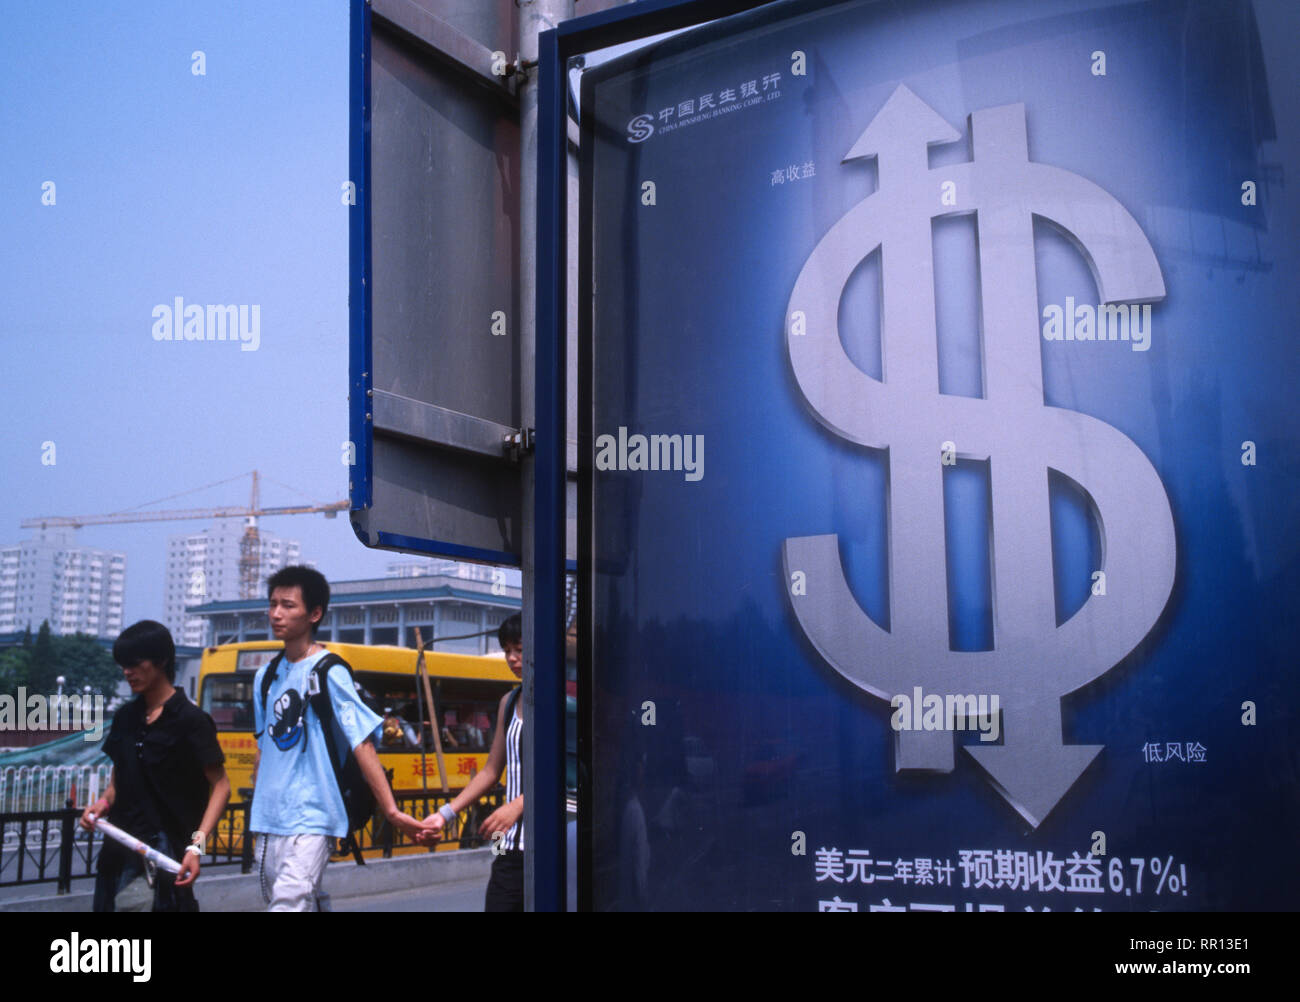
296,793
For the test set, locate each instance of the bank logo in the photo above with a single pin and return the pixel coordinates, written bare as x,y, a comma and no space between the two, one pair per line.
641,128
695,108
1035,661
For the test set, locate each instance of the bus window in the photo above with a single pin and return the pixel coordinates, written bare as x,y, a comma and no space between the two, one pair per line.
228,699
469,713
393,698
467,708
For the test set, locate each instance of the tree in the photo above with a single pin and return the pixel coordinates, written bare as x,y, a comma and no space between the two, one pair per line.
43,668
14,668
83,661
79,658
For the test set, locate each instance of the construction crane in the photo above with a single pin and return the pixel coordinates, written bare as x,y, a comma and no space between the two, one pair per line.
250,547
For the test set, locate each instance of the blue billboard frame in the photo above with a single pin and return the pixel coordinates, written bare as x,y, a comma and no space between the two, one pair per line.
359,347
556,50
556,47
361,314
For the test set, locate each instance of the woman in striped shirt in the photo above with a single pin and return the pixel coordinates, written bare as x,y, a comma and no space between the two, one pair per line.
505,892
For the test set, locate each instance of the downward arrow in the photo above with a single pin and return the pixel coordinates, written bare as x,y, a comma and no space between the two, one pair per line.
1034,769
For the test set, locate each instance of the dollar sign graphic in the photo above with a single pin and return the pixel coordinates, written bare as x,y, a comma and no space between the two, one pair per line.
1034,662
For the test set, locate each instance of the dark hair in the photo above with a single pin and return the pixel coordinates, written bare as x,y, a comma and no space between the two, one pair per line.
146,641
511,631
315,589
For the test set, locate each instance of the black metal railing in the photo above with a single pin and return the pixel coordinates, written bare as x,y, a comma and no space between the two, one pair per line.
380,837
39,847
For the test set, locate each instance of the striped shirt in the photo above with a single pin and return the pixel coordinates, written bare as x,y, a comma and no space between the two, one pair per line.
514,838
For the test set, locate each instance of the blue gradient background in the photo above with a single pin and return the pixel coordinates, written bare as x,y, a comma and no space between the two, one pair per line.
756,737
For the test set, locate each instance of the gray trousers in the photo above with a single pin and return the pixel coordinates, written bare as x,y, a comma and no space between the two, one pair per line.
291,869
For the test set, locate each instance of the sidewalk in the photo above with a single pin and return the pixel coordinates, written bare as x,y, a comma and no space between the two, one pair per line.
408,883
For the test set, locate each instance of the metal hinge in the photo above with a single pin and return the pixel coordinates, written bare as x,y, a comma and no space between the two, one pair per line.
519,67
519,443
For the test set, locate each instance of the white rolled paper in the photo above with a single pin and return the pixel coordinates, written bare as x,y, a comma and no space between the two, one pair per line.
163,862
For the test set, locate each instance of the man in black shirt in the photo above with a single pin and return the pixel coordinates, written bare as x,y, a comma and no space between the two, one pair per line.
168,786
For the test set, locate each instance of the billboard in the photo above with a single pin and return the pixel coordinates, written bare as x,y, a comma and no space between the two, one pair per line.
435,340
938,442
440,343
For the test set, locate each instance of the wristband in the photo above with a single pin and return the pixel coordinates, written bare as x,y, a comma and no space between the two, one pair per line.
447,813
196,849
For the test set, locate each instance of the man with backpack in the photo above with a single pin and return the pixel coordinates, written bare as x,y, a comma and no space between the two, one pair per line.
316,767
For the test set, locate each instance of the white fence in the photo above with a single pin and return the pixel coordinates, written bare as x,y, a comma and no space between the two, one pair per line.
48,787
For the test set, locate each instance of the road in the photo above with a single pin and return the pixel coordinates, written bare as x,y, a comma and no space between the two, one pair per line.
452,896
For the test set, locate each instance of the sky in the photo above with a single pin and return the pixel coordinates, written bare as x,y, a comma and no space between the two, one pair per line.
222,188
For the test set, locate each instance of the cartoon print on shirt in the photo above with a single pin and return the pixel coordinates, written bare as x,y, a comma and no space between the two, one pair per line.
287,728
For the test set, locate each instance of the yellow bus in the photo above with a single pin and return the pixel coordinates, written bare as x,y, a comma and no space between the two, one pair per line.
465,689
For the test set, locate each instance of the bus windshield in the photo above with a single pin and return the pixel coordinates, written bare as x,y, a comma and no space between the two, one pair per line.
228,699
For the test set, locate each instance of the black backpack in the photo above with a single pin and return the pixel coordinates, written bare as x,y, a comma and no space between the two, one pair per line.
358,798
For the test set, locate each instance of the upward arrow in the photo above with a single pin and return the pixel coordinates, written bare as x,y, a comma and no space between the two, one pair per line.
899,136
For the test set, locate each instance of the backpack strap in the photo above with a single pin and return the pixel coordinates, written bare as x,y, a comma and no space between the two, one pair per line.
268,676
318,698
320,701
